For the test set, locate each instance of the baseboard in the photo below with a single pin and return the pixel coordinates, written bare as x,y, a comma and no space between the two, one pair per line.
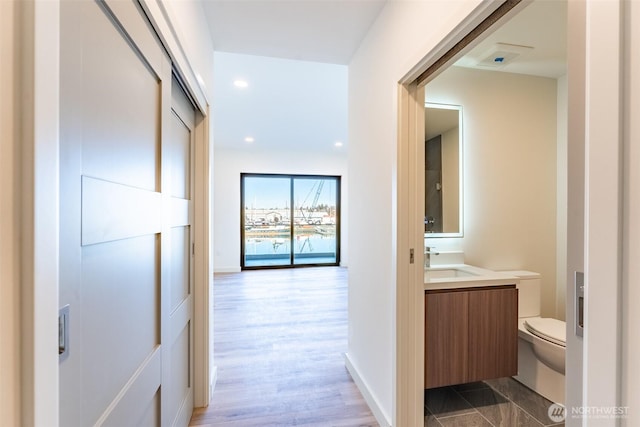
213,381
238,269
226,270
377,411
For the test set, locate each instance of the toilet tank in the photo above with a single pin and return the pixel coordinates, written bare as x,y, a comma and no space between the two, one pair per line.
528,292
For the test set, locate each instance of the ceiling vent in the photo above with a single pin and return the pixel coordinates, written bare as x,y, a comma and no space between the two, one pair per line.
502,54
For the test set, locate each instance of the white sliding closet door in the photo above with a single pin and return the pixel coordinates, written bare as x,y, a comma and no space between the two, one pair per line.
125,222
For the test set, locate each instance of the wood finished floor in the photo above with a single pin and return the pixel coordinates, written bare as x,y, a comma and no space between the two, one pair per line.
279,341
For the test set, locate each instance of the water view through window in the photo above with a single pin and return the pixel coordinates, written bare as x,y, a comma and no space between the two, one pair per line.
290,220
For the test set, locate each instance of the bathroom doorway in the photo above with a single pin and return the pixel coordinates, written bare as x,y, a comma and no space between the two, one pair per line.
412,88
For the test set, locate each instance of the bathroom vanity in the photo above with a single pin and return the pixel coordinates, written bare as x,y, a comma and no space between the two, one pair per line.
471,325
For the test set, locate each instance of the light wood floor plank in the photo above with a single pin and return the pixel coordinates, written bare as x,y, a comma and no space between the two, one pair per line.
280,336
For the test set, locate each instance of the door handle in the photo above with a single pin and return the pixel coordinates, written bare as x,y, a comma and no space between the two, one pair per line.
579,308
63,333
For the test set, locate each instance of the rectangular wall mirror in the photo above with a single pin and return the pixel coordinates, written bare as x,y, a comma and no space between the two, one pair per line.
443,170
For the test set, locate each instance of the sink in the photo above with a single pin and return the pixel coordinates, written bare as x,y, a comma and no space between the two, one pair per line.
447,273
456,276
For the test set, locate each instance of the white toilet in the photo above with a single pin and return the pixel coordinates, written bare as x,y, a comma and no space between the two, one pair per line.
541,343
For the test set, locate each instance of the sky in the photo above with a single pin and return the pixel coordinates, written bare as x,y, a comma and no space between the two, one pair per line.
274,192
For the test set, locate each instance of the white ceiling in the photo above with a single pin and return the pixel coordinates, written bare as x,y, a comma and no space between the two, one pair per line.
309,30
288,104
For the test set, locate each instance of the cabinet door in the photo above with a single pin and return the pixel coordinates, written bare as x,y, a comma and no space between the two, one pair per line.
493,334
446,339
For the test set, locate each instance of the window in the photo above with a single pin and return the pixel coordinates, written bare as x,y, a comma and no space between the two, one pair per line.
289,220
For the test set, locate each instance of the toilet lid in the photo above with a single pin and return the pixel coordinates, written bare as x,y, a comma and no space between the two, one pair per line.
549,329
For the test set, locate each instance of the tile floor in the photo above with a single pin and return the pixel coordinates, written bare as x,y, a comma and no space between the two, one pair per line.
495,403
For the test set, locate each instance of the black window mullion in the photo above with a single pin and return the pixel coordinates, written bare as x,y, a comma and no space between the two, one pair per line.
291,221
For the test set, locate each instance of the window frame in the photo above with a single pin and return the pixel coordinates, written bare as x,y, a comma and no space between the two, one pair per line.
292,178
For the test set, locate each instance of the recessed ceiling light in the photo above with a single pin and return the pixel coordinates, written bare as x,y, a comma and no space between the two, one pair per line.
240,83
338,144
249,139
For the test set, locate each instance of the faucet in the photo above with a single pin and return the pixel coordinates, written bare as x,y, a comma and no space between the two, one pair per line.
428,251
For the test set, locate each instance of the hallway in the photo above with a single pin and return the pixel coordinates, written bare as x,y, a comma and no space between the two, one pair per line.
280,336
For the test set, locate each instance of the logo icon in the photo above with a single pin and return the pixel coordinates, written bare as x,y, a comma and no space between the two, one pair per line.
556,413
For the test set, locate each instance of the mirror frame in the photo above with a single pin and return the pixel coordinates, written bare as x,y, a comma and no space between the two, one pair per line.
460,232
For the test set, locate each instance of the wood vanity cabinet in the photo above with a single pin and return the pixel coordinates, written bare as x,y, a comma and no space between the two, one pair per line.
471,334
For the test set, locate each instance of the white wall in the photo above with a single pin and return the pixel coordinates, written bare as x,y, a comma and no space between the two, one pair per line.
399,39
510,168
228,164
192,29
10,390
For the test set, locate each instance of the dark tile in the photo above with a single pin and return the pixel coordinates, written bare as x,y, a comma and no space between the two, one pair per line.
445,401
521,418
495,403
491,404
468,420
470,386
500,411
524,397
486,397
430,419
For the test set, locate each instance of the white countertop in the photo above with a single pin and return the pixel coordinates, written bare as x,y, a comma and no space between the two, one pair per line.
469,277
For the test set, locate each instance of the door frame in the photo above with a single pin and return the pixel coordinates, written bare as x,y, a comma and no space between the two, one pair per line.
603,229
38,36
409,374
601,141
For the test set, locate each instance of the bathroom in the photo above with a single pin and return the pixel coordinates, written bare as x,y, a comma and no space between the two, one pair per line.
513,149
